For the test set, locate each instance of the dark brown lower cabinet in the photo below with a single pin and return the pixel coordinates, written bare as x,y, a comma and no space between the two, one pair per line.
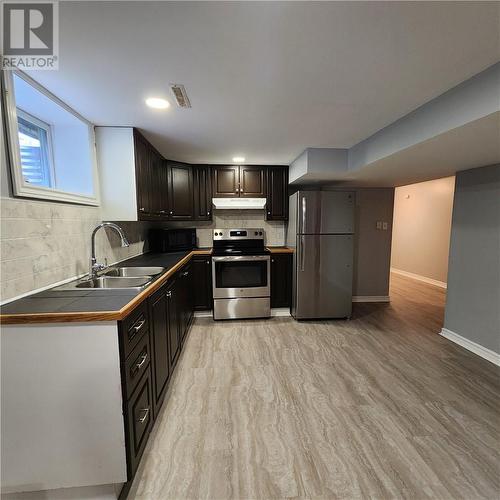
139,420
202,282
151,339
186,300
158,308
173,320
281,280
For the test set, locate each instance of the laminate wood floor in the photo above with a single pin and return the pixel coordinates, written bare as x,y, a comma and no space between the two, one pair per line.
376,407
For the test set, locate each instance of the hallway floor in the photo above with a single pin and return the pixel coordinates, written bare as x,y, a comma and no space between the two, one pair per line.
376,407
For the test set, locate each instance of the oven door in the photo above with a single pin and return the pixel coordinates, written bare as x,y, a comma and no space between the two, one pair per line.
241,276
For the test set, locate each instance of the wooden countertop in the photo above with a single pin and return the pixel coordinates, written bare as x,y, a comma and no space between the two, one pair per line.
111,315
129,302
280,249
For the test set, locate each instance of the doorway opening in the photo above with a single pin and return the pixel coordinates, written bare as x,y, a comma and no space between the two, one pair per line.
420,246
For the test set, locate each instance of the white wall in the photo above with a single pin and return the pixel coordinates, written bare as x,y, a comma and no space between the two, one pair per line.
421,228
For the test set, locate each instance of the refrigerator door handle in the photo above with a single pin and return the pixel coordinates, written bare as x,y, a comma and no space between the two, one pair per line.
304,208
302,254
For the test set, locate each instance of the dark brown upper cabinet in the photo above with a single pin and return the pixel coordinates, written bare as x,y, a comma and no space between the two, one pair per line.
202,184
234,181
252,182
143,175
277,193
226,182
180,191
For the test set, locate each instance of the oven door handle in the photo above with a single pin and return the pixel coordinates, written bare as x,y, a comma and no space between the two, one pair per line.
241,258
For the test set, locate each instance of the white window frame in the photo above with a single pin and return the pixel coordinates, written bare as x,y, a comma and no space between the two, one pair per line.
21,188
50,148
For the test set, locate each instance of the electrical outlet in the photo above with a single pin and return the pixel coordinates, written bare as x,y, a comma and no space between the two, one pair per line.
385,226
379,225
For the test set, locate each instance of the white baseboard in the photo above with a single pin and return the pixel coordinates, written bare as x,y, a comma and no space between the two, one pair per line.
418,277
280,311
478,349
371,298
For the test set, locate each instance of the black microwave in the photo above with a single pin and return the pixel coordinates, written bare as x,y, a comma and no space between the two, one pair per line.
172,240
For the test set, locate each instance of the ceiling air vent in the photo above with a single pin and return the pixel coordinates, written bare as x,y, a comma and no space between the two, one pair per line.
180,95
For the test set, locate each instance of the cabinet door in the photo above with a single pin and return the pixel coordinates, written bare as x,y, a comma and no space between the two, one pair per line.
173,322
139,416
202,283
163,189
159,339
180,191
202,181
277,193
281,280
226,182
252,182
157,182
142,176
186,300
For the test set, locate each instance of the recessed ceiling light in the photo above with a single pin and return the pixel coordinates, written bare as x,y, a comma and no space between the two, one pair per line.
238,159
157,103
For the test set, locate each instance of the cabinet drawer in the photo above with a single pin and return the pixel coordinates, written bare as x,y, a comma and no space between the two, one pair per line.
139,421
132,328
137,364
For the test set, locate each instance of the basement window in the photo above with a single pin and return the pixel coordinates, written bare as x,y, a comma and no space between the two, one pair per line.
51,147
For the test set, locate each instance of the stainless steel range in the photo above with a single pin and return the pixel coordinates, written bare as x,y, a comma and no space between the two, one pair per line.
241,271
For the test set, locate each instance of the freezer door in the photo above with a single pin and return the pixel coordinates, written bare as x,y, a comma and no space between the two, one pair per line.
325,212
323,277
337,212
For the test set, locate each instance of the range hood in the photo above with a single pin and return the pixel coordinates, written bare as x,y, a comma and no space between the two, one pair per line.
239,203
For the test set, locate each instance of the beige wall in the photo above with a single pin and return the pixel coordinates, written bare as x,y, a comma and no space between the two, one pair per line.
421,228
372,252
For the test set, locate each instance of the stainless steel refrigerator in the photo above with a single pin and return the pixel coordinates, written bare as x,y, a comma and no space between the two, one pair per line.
321,228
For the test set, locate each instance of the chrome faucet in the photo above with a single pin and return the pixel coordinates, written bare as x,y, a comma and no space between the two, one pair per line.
95,267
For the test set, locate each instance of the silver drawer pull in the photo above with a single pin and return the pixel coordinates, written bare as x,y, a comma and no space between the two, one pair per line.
140,364
144,417
185,274
139,325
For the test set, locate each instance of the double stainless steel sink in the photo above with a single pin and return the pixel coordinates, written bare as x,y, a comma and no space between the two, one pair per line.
117,278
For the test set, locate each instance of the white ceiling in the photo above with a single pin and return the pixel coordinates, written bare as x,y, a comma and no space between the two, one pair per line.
266,80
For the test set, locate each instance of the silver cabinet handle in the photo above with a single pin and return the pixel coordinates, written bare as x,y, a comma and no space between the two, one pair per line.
302,256
185,274
171,212
144,417
141,209
168,294
144,357
139,325
208,213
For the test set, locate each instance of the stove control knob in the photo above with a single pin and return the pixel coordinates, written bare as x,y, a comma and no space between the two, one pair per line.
260,233
256,233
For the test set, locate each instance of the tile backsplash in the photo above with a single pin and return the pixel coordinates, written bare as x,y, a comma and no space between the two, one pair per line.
226,219
44,242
